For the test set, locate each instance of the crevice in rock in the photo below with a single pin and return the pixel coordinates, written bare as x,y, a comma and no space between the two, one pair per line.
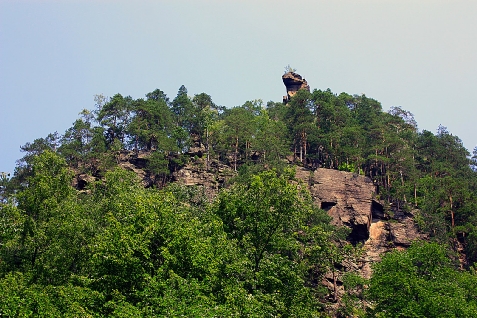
377,210
359,234
327,205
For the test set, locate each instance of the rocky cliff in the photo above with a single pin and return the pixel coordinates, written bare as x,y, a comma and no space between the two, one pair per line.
350,201
211,180
348,198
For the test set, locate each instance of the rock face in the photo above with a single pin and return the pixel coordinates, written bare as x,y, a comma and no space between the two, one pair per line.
293,82
349,200
347,197
137,162
195,174
397,232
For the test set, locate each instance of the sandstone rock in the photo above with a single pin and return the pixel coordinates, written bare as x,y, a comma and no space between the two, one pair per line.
140,159
136,161
198,151
347,198
403,233
290,158
293,82
146,180
195,174
377,244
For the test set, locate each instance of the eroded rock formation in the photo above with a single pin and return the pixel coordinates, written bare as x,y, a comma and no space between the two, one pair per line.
293,82
347,197
349,200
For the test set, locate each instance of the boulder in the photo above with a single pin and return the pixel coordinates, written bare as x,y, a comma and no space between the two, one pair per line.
403,233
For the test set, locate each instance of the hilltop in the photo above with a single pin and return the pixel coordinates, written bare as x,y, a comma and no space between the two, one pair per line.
154,206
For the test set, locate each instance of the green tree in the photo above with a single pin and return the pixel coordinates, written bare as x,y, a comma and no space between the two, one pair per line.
52,228
421,282
22,299
299,120
114,116
267,216
270,138
4,187
156,255
205,113
239,130
151,125
182,108
32,149
75,143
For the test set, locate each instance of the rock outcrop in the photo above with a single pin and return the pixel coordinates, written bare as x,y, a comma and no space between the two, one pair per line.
293,82
385,234
349,200
137,162
195,174
347,197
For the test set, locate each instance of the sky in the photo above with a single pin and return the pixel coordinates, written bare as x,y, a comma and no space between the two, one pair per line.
56,55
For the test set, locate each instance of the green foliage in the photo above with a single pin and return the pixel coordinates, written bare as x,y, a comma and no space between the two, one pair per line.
5,185
46,232
22,299
346,167
122,250
117,249
115,115
421,282
158,163
299,120
260,215
151,124
239,132
271,218
353,301
48,185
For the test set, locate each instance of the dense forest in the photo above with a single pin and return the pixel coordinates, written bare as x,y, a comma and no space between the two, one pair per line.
260,248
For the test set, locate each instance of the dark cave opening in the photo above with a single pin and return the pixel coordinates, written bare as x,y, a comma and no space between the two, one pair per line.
327,205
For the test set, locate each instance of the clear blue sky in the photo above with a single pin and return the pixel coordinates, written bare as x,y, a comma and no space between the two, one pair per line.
56,55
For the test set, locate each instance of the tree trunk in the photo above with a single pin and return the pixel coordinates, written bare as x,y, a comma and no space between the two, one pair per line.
415,195
335,286
207,148
452,212
235,154
402,184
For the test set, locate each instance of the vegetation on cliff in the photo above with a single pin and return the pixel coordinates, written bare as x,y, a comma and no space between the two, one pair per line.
261,247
